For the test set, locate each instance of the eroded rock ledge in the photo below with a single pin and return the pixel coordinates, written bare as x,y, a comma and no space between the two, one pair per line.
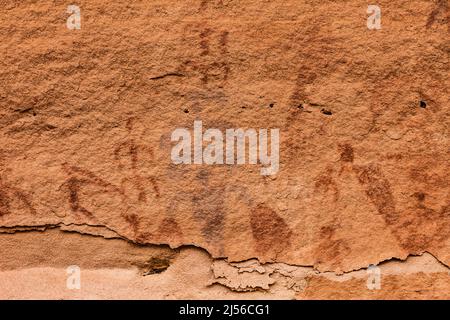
33,265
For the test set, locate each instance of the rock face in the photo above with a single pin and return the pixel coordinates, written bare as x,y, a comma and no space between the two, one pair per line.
86,118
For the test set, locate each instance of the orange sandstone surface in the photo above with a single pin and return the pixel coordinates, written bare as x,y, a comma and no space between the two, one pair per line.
86,176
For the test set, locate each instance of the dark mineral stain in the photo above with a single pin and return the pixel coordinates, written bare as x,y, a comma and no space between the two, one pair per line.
203,176
331,247
416,242
90,177
271,233
4,203
134,154
142,197
441,6
421,230
203,5
170,228
80,178
155,187
131,149
208,208
133,220
129,125
208,204
214,224
420,196
419,227
10,195
325,183
346,153
378,190
224,41
204,42
25,200
74,186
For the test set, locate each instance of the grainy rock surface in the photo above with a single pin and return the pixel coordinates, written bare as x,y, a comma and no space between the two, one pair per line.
86,118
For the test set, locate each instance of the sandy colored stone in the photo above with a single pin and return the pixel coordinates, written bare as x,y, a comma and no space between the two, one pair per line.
56,249
34,265
86,118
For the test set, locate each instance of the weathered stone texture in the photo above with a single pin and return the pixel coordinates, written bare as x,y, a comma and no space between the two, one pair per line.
86,118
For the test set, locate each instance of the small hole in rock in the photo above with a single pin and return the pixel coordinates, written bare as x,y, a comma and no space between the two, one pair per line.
155,265
420,196
423,104
326,112
271,105
186,111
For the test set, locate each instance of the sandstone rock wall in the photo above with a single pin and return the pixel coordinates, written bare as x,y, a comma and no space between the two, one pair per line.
86,176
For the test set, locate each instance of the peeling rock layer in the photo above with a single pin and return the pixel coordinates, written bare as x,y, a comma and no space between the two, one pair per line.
86,118
34,265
